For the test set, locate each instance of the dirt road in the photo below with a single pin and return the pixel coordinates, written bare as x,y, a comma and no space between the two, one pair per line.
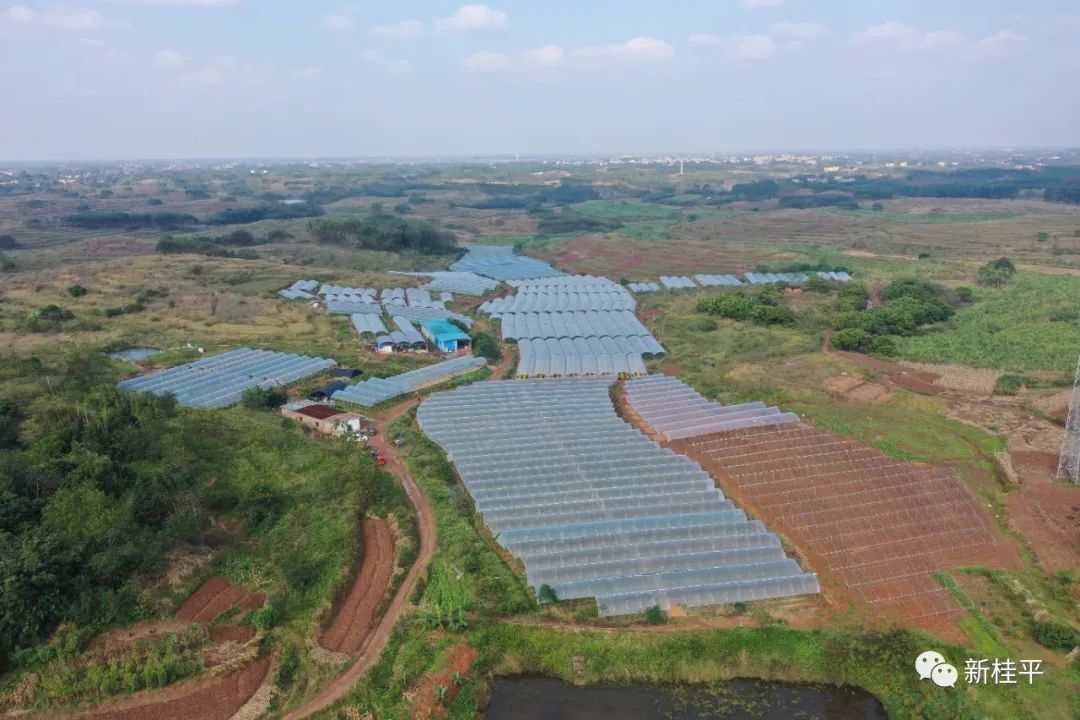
376,642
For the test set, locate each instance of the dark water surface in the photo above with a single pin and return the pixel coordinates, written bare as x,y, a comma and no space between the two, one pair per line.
542,698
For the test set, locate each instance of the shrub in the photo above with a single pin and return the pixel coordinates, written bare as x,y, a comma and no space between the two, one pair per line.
851,339
818,284
7,242
1055,636
1011,384
547,594
735,306
486,346
996,273
965,294
257,398
883,345
287,667
76,291
773,315
655,616
853,296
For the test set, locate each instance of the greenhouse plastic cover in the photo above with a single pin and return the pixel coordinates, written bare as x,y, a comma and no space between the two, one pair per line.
840,275
675,282
348,293
640,287
419,314
220,380
338,305
368,323
465,283
376,390
723,280
581,323
766,278
594,508
501,263
675,410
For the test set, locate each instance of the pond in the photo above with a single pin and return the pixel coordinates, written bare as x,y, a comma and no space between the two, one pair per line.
134,354
542,698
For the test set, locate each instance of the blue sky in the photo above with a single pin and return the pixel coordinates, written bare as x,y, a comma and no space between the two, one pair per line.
124,79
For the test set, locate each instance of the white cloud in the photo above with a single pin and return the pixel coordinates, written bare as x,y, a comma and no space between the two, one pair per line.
755,47
639,49
472,17
1001,42
887,33
338,21
904,37
390,66
403,29
485,61
800,30
168,60
942,40
703,39
56,17
544,57
761,3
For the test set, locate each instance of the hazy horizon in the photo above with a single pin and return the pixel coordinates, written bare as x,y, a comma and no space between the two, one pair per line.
190,80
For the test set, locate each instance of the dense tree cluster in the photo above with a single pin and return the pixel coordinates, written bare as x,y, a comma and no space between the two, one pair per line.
380,230
98,483
909,305
763,307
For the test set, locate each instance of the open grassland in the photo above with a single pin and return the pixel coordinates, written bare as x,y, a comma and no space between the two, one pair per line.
210,302
926,218
1031,324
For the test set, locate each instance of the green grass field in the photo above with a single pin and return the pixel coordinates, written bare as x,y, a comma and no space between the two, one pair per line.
1031,324
612,210
926,218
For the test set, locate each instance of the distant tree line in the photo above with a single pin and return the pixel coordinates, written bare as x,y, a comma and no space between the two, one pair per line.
380,230
120,220
824,199
216,246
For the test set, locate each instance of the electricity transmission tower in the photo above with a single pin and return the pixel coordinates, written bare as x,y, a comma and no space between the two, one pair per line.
1069,460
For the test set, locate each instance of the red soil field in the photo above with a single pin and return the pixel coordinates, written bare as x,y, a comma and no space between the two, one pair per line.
426,704
213,597
874,528
355,618
211,699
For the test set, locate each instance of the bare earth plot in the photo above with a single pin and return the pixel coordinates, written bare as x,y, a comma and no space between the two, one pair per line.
356,617
876,529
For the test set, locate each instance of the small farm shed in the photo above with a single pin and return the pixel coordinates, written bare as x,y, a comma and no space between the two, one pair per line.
444,335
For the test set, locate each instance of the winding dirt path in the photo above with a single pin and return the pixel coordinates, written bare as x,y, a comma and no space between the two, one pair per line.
375,643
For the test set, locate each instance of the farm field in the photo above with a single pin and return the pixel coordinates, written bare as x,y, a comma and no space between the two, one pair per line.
265,508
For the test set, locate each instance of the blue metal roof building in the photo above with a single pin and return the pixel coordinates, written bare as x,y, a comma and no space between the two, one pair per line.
446,336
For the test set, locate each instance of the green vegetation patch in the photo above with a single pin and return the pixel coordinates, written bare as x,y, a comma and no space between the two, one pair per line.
1010,328
929,218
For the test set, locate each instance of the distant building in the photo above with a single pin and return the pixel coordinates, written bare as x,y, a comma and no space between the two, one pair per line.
326,419
444,335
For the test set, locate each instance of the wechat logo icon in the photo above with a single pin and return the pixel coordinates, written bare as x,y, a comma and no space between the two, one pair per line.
931,665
